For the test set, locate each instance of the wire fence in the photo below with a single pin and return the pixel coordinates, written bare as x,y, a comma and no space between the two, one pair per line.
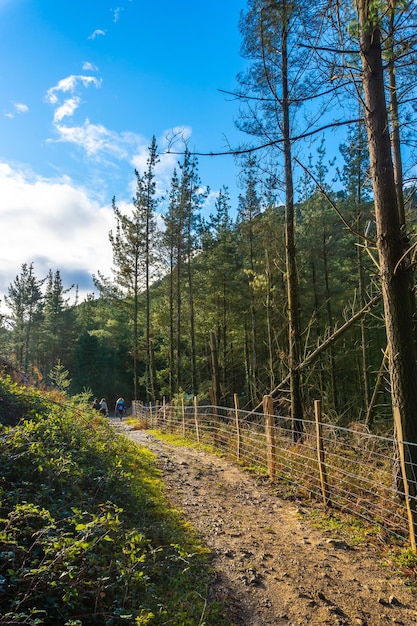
349,469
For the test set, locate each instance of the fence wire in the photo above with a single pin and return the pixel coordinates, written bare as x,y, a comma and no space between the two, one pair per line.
362,470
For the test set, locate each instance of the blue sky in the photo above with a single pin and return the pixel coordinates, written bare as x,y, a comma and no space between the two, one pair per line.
83,87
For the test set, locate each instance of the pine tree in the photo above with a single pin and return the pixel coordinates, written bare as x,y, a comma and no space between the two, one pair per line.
133,254
249,209
145,204
275,86
221,290
58,323
25,302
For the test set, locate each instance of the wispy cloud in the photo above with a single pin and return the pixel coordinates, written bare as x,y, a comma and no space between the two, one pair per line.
116,13
21,108
18,107
66,109
100,142
97,33
70,84
89,67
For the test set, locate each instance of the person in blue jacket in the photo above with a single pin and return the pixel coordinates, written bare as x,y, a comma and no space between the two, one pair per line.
119,409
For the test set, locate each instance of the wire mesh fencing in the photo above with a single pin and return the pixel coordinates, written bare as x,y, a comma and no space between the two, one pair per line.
349,469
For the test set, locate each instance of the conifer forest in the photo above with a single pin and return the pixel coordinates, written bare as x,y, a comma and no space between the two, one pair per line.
305,287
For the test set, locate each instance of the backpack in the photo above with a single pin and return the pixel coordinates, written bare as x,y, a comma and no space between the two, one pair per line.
120,406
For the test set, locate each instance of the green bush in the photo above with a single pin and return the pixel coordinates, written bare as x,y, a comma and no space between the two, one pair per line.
86,536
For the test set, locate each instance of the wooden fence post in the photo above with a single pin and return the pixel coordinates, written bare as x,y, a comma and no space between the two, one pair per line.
268,405
236,401
411,510
320,454
197,431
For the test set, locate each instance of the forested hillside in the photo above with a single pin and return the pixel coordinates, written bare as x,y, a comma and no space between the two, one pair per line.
225,301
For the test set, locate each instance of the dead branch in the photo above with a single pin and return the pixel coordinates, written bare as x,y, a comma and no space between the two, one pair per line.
325,345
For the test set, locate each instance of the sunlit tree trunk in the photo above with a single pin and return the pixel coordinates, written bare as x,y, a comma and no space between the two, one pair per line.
394,266
294,333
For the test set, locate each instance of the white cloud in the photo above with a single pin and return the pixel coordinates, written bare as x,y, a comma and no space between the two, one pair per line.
17,108
21,108
100,142
53,223
89,136
66,109
70,84
97,33
116,13
87,66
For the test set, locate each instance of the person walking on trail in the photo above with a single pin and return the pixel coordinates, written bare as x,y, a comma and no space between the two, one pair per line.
119,408
96,404
104,409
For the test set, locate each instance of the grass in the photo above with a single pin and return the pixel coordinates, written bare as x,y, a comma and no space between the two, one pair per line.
86,534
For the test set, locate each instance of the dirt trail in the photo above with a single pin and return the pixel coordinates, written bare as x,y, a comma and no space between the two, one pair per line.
272,567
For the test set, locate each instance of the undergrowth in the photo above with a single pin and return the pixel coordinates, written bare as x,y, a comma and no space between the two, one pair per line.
86,535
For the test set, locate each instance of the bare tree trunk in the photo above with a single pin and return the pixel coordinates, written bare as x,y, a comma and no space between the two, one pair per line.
192,328
254,373
395,124
135,332
332,364
364,337
179,311
294,332
171,326
394,265
268,322
382,370
215,366
224,341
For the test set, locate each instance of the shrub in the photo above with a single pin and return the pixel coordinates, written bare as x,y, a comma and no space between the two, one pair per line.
86,536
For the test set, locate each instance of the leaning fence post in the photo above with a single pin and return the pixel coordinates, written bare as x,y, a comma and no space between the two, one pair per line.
197,431
268,405
411,511
236,401
320,454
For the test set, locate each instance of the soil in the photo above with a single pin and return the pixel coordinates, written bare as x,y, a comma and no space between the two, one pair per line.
272,567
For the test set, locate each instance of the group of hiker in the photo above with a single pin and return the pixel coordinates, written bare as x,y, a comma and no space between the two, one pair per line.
102,407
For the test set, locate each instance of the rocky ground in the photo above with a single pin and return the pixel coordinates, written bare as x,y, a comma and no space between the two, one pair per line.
272,567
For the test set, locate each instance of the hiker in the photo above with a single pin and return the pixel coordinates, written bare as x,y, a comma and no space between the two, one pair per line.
96,404
104,409
119,409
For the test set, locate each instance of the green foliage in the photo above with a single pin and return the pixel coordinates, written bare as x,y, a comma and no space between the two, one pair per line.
86,536
18,402
59,376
